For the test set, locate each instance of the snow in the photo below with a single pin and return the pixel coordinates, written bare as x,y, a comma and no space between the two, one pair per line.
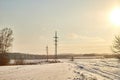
79,69
98,69
35,72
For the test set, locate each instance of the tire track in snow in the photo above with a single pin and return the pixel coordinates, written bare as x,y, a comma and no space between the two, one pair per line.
105,74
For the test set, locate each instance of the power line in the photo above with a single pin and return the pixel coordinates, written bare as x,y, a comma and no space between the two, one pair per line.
56,40
47,52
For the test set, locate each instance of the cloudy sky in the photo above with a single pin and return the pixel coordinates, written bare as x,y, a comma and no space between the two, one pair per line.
83,26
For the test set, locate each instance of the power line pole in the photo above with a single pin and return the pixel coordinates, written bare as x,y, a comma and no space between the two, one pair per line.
47,52
56,45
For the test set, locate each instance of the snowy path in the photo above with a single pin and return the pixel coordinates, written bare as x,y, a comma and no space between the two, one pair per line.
102,70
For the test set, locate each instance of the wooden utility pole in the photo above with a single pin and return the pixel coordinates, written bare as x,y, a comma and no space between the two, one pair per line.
47,52
56,45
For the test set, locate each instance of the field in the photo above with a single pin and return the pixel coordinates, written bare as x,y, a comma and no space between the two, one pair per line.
79,69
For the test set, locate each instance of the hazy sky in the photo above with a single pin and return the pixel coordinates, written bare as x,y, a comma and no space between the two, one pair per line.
83,25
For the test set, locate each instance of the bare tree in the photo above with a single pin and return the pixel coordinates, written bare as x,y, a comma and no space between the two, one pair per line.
116,46
6,38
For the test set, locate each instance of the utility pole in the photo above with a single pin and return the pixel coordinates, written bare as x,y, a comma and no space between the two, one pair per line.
47,52
56,45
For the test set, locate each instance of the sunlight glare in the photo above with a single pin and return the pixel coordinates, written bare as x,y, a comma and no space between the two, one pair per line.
115,16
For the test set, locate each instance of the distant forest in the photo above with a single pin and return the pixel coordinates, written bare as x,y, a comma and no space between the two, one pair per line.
61,56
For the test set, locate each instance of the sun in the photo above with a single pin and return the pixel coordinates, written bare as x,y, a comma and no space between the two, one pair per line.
115,16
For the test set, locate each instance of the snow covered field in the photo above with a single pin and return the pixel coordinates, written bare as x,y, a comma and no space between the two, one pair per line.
97,69
79,69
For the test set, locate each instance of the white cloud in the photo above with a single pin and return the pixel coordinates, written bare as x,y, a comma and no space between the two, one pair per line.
86,39
92,39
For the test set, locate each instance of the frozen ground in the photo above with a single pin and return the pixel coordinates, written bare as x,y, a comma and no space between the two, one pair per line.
80,69
97,69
